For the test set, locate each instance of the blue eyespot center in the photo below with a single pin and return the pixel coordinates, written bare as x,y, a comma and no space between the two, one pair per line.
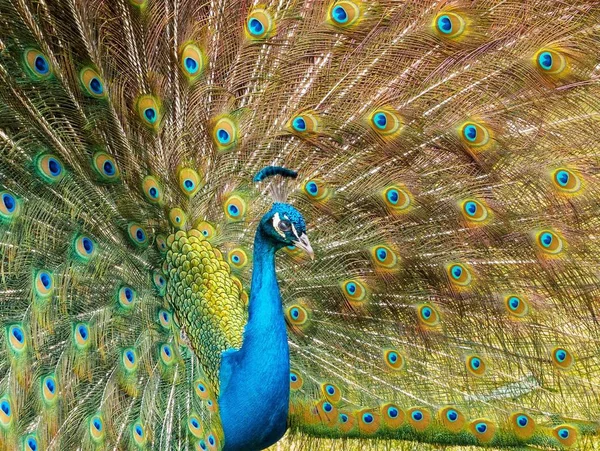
393,357
327,407
471,208
563,433
17,332
109,168
546,239
153,192
128,294
514,303
205,232
236,259
54,167
475,363
368,418
444,24
255,27
562,177
223,136
417,415
295,313
299,124
191,65
140,235
138,430
211,440
202,388
150,114
339,14
233,210
32,444
380,121
130,356
456,271
382,254
46,280
481,427
9,202
351,287
5,406
312,188
293,378
545,60
393,412
561,355
87,245
470,133
522,421
41,65
83,332
167,351
96,86
50,385
452,415
343,418
393,196
330,389
189,184
426,312
195,423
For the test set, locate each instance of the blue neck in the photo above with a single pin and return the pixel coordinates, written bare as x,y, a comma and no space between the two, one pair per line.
254,390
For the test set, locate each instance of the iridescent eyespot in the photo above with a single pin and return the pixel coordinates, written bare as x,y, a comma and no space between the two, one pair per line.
49,389
296,380
384,257
81,335
85,247
483,429
167,355
6,412
16,338
105,166
368,420
566,180
393,359
385,122
297,316
224,133
237,258
152,189
149,110
316,190
516,305
159,281
396,198
235,208
97,428
192,61
37,64
459,274
195,426
138,432
304,123
129,360
346,422
189,181
428,315
10,206
474,134
449,25
137,235
212,441
344,13
201,445
206,229
126,297
550,61
476,365
161,243
164,319
565,434
392,415
92,83
563,359
259,24
49,168
452,419
354,291
549,242
201,389
177,218
474,210
30,443
331,392
43,283
419,418
522,425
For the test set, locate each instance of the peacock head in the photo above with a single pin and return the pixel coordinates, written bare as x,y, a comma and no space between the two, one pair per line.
285,226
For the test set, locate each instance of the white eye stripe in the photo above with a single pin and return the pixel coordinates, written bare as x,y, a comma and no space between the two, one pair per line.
276,222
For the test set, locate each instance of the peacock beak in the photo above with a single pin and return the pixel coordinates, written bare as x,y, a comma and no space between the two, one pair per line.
304,244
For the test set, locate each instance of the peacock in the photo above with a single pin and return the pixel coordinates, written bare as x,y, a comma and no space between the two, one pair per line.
314,224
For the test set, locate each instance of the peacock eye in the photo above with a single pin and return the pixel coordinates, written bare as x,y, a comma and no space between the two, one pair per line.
285,225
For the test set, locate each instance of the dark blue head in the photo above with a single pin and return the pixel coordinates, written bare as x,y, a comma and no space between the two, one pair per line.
284,225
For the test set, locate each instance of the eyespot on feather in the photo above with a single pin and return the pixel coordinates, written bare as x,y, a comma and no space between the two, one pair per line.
225,133
235,208
129,360
149,109
369,420
562,358
483,430
49,390
30,443
316,190
177,218
451,418
566,180
296,380
49,168
167,355
16,338
161,243
516,305
195,426
138,433
165,319
459,274
393,359
189,182
396,198
332,392
81,336
106,167
96,428
92,83
327,413
43,284
191,61
344,14
137,235
550,62
259,25
385,122
565,434
354,291
206,229
428,315
522,425
10,206
37,64
419,418
126,297
212,441
152,190
237,258
474,134
549,242
6,412
304,123
392,415
384,257
474,210
84,247
449,25
475,365
202,389
346,421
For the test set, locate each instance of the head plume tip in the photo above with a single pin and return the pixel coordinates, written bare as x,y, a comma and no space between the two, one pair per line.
270,171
